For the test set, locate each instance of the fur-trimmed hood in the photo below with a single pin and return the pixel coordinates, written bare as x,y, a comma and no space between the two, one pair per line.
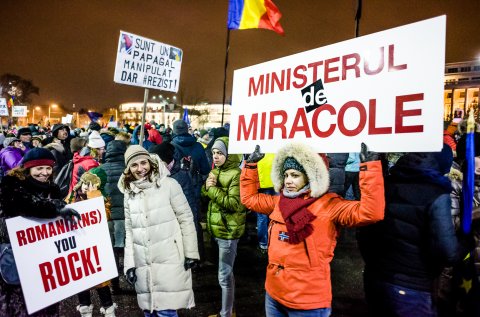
315,168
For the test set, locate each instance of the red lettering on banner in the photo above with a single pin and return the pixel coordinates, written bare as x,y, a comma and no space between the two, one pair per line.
372,111
341,118
278,120
401,113
278,125
334,69
59,226
316,130
66,269
330,69
300,116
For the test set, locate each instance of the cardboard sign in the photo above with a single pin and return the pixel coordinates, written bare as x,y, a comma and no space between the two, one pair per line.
3,107
56,260
147,63
19,111
384,89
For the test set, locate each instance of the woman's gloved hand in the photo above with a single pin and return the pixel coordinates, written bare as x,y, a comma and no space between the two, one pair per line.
256,155
131,276
190,264
69,214
367,156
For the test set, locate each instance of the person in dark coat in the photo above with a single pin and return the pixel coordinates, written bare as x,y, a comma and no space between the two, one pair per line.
59,145
29,191
25,135
114,166
406,251
166,152
136,137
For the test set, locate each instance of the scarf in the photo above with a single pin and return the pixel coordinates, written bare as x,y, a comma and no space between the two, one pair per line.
297,218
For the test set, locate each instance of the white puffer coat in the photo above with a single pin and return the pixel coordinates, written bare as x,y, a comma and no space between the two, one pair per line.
160,233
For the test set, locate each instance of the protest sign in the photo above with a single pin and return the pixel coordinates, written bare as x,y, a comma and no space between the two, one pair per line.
3,107
147,63
384,89
56,259
19,111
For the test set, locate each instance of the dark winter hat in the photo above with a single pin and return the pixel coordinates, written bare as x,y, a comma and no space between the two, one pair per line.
164,150
291,163
134,153
203,132
23,131
219,145
38,157
94,126
9,141
180,127
57,127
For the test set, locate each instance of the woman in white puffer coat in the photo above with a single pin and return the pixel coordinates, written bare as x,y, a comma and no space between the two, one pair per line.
161,241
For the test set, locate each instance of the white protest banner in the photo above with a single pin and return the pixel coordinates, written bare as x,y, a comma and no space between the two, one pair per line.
3,107
19,111
384,89
68,118
56,260
147,63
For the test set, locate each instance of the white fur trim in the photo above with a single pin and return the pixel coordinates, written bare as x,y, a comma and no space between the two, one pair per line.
313,164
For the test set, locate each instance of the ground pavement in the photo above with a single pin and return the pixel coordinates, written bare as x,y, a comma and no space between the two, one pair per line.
348,297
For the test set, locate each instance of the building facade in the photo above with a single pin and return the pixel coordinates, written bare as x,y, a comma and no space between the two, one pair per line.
462,85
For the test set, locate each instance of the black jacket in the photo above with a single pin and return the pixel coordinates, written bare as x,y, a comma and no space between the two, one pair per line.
114,166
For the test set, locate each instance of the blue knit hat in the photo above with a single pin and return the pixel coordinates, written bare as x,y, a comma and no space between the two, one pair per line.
292,163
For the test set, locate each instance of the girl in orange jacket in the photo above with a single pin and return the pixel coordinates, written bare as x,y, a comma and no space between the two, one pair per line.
305,222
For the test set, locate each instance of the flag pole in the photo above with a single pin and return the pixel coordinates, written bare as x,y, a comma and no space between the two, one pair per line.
142,128
225,73
358,16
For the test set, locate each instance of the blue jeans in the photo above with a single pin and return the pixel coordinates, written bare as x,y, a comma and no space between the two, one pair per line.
161,313
227,251
275,309
386,299
117,233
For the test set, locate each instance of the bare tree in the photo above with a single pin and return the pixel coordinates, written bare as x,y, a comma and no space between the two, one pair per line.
20,89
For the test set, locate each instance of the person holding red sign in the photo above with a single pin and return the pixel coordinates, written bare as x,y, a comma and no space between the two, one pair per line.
304,224
160,235
28,190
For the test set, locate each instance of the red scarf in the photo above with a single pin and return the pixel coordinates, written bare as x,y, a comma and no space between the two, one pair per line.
297,217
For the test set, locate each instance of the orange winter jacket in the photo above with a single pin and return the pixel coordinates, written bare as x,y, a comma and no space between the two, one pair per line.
298,275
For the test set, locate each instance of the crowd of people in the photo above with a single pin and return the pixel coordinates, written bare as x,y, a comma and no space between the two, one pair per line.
407,208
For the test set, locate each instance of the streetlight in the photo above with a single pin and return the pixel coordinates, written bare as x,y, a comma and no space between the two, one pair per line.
33,113
54,106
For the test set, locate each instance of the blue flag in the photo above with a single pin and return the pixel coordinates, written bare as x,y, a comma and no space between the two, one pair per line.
468,175
185,116
94,116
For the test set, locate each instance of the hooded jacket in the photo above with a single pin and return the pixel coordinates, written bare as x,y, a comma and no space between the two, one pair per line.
226,215
298,275
160,234
61,157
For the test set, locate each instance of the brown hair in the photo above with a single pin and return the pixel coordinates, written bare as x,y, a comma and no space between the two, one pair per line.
22,173
130,178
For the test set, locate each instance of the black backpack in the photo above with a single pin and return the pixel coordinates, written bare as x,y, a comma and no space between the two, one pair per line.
64,178
187,163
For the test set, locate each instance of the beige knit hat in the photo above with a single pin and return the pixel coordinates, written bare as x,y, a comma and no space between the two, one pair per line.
134,153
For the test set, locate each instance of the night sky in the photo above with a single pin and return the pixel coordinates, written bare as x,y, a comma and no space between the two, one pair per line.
68,48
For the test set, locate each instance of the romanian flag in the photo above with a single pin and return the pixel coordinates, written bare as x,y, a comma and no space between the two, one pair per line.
469,175
254,14
10,102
